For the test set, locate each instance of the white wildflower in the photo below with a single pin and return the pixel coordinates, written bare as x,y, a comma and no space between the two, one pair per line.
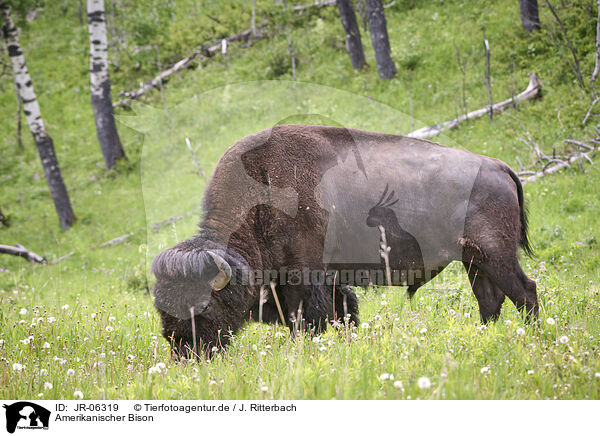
47,385
452,312
78,395
530,372
564,339
423,330
520,331
23,312
424,383
109,328
485,369
70,372
46,345
551,321
51,319
65,307
467,314
111,318
364,325
398,384
43,371
17,367
384,376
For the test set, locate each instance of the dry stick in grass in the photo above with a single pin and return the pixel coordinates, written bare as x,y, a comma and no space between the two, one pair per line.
569,44
589,112
60,259
193,319
597,56
115,241
277,302
195,158
385,254
293,56
20,251
532,91
488,79
262,299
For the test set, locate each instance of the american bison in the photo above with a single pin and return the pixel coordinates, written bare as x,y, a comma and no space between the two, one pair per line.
299,213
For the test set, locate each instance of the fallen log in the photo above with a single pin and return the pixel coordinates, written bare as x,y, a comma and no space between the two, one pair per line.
533,90
202,52
19,250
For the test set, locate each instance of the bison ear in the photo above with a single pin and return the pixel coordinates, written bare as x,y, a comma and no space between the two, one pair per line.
224,275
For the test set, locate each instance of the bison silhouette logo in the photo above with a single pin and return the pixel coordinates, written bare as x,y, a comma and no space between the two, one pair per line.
26,415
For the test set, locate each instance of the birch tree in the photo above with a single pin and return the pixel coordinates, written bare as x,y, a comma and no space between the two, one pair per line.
353,43
379,38
31,108
106,129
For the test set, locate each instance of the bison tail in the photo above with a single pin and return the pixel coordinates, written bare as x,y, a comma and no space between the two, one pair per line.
524,240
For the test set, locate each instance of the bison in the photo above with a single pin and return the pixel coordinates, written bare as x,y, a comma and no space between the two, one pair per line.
296,215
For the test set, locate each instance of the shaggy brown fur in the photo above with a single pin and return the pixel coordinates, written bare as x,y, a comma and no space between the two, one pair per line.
277,220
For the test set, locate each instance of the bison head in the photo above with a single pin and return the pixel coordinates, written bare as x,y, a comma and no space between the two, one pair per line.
199,294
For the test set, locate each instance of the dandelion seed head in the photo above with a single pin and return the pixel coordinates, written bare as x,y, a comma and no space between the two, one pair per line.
48,385
424,383
551,321
78,395
564,339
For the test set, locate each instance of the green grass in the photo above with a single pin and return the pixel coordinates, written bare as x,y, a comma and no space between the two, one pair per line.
104,325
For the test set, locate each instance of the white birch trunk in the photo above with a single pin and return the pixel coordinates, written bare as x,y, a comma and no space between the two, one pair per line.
31,108
106,128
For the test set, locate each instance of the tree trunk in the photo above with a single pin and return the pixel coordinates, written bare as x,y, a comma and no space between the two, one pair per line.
31,108
379,38
353,43
106,129
530,18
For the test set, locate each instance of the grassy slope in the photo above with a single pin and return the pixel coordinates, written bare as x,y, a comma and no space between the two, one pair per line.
433,336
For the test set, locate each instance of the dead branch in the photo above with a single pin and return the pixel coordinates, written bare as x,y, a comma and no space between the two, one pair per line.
115,241
550,169
60,259
532,91
195,158
488,79
589,112
201,52
314,5
19,250
156,227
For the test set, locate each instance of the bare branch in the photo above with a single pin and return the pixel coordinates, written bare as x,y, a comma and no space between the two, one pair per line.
569,44
532,91
19,250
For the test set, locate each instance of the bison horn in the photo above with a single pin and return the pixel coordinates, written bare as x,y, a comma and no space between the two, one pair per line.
224,275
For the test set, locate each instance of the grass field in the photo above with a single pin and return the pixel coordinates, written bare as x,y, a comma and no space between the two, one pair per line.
87,325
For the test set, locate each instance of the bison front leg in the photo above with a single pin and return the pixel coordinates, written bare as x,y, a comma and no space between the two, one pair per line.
489,296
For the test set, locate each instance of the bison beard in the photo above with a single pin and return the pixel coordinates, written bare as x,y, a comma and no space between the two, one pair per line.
300,197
